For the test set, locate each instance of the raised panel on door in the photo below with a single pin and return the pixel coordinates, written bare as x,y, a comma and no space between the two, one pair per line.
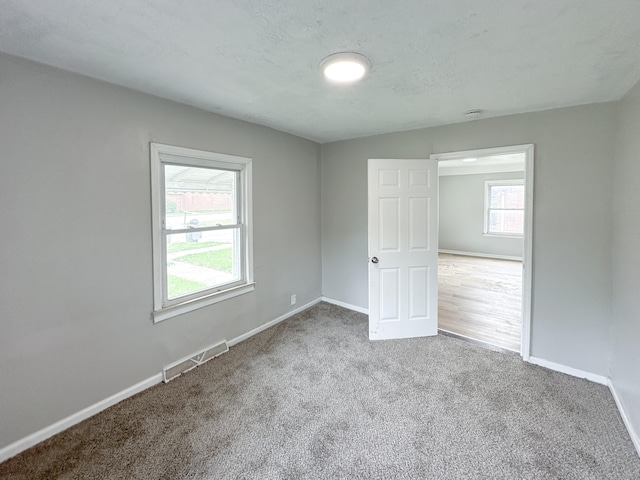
390,300
418,285
389,226
419,223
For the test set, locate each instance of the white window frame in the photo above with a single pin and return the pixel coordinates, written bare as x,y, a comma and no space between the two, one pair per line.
161,154
487,207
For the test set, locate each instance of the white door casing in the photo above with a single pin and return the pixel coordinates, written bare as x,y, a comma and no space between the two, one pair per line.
527,258
403,248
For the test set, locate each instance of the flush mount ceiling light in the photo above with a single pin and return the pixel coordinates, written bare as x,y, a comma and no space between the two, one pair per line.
470,159
347,67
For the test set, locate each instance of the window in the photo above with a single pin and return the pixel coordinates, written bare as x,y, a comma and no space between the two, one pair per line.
504,208
202,248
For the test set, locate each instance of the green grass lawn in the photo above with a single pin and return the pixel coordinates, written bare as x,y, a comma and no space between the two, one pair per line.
182,246
221,260
178,286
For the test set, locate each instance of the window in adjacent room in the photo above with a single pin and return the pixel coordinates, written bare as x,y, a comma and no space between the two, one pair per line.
201,203
504,208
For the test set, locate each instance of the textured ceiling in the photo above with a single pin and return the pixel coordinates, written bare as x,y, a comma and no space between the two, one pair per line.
257,60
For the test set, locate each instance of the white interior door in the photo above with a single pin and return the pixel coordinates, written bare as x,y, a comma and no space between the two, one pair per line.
403,248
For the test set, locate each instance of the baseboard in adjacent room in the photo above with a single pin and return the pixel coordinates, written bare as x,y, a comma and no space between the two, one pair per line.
61,425
482,255
635,438
346,305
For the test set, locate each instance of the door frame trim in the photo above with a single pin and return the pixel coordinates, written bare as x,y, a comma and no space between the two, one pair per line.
527,254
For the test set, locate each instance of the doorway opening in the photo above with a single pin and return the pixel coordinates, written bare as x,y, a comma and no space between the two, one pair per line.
480,298
484,246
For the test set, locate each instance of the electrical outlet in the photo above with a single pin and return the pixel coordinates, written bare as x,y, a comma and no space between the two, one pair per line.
293,299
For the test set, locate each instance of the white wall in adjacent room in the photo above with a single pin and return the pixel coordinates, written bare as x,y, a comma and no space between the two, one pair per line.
462,216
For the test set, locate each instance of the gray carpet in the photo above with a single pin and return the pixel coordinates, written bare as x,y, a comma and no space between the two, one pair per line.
312,398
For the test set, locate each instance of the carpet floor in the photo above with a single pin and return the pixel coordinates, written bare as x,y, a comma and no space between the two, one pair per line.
312,398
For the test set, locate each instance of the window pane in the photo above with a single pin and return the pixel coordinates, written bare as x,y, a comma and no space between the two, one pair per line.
202,260
199,197
506,196
506,222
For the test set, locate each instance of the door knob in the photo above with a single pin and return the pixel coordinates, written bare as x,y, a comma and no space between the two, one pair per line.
374,260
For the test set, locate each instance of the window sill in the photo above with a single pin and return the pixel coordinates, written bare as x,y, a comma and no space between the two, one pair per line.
191,305
502,235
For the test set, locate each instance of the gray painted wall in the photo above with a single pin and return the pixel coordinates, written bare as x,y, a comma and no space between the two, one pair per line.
75,267
461,216
75,263
572,219
625,347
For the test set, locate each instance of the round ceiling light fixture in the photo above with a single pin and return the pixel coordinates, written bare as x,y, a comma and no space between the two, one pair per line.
346,67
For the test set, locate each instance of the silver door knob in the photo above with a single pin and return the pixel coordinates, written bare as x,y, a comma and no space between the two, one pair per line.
374,260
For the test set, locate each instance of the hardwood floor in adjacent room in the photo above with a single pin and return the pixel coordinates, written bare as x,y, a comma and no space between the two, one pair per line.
481,298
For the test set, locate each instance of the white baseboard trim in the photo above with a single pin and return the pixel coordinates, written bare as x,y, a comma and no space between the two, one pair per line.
601,379
29,441
263,327
635,438
574,372
47,432
346,305
483,255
